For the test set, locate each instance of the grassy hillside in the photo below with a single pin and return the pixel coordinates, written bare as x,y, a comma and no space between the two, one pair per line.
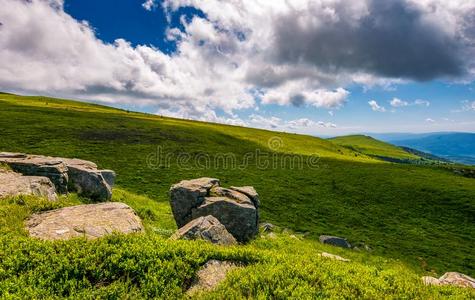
373,147
418,220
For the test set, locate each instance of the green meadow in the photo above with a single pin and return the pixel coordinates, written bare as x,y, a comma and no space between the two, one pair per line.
418,220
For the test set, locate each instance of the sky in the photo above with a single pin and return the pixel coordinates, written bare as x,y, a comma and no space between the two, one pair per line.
320,67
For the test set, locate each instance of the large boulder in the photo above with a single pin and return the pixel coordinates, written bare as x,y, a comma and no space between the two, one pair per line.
35,165
205,228
186,195
334,241
236,208
240,219
66,173
89,221
87,180
13,184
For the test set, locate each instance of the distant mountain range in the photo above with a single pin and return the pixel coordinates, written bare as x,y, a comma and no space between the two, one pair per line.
455,146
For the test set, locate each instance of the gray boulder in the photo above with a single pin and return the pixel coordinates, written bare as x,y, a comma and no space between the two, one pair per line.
240,219
186,195
14,184
66,173
236,210
334,241
89,183
34,165
90,221
205,228
250,192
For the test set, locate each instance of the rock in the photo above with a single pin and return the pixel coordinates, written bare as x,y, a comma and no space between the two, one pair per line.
210,275
240,219
217,191
89,183
186,195
267,227
457,279
334,241
429,280
333,256
206,228
81,175
109,176
250,192
90,221
13,184
33,165
191,199
451,278
272,236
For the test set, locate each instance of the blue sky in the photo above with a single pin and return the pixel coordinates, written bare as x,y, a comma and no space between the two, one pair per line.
336,67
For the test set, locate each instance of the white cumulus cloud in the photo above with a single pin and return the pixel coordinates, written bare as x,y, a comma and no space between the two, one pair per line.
301,53
375,106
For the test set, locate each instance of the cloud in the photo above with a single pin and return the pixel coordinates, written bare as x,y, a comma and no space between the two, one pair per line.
375,106
429,120
276,123
392,38
298,94
242,53
396,102
422,102
149,4
205,116
468,106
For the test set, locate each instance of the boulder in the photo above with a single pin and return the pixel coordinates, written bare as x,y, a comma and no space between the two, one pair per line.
66,173
210,275
188,194
89,221
89,183
333,256
13,184
334,241
205,228
237,211
240,219
34,165
250,192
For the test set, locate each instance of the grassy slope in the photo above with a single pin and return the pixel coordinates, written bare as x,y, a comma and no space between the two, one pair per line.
422,216
149,266
373,147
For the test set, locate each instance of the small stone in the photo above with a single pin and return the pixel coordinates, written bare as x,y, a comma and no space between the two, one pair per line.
333,256
210,275
429,280
457,279
334,241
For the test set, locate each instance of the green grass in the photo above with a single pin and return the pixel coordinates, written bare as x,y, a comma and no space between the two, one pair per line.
150,266
418,219
373,147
